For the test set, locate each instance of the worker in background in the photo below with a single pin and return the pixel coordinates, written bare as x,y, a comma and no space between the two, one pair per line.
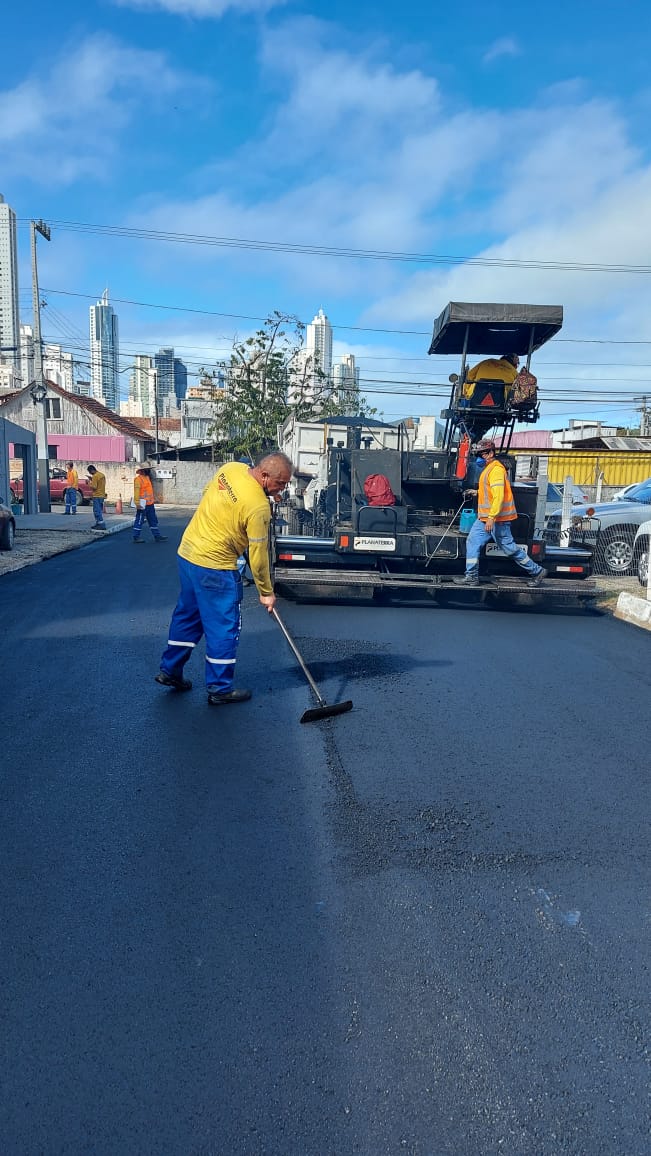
503,369
233,516
97,483
72,485
143,497
495,512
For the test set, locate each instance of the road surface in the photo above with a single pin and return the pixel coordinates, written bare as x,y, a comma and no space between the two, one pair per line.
419,928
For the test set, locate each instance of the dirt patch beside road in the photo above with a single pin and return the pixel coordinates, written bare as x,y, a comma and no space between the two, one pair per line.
33,546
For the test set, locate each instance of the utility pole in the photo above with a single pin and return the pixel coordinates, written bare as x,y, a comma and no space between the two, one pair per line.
156,453
39,389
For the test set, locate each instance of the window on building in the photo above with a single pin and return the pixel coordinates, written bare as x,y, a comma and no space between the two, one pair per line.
198,428
53,408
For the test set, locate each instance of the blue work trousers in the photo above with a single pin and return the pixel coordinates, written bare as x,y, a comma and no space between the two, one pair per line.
98,511
149,515
209,603
502,536
71,500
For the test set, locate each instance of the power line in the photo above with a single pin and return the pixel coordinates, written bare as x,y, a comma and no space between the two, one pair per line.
335,325
313,250
395,382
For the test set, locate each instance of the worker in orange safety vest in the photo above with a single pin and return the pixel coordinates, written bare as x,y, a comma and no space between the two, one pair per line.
143,498
495,512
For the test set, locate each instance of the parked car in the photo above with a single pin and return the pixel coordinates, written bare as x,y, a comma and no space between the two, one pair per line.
57,488
555,493
7,527
642,549
610,527
621,494
554,498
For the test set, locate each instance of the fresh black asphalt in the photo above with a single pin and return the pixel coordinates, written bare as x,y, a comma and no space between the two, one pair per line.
421,927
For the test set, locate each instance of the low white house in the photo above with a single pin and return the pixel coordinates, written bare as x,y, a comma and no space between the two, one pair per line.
78,428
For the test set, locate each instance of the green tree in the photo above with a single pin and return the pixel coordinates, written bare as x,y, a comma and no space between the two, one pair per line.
268,378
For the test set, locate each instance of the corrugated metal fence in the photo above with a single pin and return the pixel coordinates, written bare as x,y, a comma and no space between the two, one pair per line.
619,467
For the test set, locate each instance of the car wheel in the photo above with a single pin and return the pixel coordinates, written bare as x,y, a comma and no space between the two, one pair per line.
81,500
615,551
643,568
7,535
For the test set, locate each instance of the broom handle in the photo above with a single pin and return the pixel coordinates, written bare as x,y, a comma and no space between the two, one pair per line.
315,690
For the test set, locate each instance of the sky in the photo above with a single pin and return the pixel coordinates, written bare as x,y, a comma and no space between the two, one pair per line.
440,136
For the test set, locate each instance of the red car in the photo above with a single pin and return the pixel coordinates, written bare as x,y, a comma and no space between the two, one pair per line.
57,488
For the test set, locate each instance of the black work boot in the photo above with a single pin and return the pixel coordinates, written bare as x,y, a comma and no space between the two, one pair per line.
537,578
228,696
166,679
467,580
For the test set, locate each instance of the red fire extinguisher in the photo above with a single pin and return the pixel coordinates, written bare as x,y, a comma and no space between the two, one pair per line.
462,460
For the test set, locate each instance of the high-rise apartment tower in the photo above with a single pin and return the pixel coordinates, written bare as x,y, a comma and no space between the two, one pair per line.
104,353
318,343
9,320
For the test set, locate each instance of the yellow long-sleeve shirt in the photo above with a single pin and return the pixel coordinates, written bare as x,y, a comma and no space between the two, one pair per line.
98,484
491,369
233,515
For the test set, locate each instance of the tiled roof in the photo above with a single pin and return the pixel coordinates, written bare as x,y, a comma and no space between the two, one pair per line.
7,396
164,423
122,424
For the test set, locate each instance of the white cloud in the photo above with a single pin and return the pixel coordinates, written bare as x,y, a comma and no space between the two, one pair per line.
45,122
575,192
505,46
203,9
346,103
359,154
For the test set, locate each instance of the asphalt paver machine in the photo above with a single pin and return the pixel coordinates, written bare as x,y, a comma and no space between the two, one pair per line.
412,548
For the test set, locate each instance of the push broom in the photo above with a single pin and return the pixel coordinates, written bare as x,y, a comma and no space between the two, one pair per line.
322,710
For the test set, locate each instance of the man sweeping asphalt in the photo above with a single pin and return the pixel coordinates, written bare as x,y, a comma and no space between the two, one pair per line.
233,516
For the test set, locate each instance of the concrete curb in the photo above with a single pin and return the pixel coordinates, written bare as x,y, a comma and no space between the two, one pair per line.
631,608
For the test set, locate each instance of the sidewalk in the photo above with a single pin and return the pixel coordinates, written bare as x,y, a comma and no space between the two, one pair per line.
80,522
41,536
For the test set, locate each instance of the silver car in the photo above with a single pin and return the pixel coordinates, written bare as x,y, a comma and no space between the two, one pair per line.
7,527
642,548
610,528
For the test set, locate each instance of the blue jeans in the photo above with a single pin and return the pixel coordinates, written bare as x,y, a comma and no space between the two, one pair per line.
149,515
209,603
98,511
71,500
502,536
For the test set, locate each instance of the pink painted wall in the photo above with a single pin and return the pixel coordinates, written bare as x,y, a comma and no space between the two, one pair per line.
93,448
532,440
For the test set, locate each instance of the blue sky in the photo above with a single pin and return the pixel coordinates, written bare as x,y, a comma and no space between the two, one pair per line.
501,130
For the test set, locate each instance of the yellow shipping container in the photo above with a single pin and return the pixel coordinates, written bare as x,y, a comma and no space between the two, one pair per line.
620,467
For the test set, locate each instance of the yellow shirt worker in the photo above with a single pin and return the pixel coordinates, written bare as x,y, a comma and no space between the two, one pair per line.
233,516
72,485
97,481
504,369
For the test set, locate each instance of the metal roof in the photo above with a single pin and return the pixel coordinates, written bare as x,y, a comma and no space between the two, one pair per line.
620,443
492,329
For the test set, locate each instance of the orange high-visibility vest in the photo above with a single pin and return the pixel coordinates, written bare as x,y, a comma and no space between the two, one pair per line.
72,479
142,488
508,512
